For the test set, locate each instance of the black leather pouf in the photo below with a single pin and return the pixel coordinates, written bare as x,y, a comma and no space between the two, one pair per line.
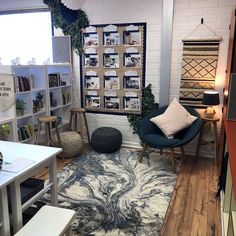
106,140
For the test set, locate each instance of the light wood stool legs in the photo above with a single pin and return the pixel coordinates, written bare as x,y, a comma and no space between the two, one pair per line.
212,121
76,113
47,120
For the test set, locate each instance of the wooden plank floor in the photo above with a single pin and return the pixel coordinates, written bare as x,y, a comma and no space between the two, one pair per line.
194,210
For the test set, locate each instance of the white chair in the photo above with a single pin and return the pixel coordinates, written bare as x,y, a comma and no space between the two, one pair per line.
49,221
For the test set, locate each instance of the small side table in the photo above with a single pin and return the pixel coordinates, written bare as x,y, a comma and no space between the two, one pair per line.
213,121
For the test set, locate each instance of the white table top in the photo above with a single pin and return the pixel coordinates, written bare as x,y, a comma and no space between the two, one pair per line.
13,150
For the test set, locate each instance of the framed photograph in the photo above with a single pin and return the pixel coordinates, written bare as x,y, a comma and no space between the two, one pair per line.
132,82
91,60
132,103
111,82
111,39
132,60
112,103
92,82
132,38
92,102
91,39
111,60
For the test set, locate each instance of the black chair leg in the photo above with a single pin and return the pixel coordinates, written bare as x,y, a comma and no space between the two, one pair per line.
173,159
142,153
161,151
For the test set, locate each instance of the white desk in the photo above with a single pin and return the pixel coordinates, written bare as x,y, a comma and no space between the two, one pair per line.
4,214
43,157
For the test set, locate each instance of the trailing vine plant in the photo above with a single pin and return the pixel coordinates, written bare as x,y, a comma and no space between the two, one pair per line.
148,104
70,21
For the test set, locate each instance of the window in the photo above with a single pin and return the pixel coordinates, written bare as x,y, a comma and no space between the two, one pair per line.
26,35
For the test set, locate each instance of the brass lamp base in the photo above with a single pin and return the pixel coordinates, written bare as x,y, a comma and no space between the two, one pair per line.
209,112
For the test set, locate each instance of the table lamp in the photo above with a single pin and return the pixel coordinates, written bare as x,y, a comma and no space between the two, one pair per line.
210,98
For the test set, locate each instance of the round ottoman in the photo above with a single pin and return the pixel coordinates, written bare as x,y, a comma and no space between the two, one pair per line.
71,143
106,140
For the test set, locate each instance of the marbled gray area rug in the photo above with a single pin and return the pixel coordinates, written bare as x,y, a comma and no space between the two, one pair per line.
114,194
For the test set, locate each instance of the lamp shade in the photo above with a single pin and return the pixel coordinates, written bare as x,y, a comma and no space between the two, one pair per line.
211,98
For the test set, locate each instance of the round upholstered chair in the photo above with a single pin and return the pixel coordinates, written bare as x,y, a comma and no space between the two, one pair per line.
106,140
71,143
152,136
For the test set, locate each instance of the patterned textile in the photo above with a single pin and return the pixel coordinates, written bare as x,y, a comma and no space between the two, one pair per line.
198,70
115,195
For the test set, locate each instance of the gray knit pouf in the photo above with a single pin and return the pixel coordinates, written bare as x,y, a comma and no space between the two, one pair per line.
106,140
71,143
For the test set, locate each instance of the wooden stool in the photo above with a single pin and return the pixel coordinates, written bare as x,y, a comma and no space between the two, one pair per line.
47,120
74,112
49,221
213,121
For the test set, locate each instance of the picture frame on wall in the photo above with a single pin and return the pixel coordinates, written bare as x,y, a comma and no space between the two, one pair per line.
92,82
132,82
91,39
112,103
111,83
92,101
91,60
132,103
132,60
111,39
111,60
133,38
113,68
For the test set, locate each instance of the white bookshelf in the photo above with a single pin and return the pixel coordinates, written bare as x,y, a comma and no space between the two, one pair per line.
8,116
38,77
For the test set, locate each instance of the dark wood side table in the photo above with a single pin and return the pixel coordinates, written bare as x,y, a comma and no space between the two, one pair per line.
213,121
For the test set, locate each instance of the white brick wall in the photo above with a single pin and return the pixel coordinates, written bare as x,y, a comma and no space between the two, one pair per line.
126,11
187,15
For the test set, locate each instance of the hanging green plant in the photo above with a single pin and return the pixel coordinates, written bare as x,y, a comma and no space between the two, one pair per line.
70,21
148,104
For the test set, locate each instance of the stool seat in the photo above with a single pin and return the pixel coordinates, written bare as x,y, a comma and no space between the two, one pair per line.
76,109
106,140
46,119
49,221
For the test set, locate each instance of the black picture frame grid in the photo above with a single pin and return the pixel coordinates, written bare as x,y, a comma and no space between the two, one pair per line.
102,92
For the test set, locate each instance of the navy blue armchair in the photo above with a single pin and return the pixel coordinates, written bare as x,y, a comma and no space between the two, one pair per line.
152,136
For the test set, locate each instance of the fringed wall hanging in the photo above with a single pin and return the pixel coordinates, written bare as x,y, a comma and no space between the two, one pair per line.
199,64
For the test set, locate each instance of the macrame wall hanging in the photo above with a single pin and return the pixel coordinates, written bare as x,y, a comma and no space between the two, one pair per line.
199,64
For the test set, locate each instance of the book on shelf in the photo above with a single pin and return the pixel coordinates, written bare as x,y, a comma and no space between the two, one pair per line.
25,132
54,79
65,98
21,84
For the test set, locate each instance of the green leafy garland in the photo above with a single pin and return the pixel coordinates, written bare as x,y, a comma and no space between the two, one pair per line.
74,29
148,104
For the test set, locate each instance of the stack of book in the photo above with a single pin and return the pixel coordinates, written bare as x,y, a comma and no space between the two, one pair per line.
25,132
21,84
54,79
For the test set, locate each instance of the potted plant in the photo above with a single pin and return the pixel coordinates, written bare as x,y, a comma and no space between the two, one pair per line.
39,101
148,104
20,107
5,131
